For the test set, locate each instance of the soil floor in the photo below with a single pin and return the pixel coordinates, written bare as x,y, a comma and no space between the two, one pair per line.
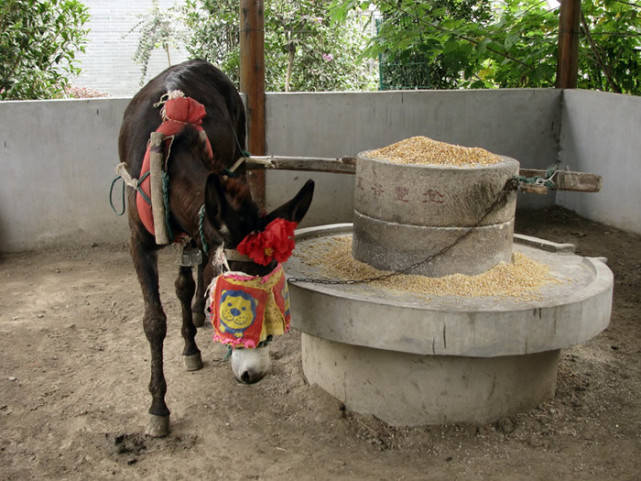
74,368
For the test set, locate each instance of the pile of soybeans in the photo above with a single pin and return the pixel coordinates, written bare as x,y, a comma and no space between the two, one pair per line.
423,150
520,279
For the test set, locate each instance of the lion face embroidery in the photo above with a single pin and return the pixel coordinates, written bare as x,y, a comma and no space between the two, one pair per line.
237,311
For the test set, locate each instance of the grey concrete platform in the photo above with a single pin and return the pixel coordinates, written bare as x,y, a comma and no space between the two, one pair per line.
411,390
444,359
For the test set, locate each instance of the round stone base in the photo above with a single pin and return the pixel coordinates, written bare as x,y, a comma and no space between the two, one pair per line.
410,390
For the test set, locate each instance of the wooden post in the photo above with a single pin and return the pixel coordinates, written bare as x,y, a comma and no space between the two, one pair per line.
567,60
252,84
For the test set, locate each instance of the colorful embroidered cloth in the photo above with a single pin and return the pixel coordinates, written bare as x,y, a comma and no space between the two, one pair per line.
177,112
245,309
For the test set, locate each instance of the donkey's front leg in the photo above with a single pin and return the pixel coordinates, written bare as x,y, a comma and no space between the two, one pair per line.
185,288
155,325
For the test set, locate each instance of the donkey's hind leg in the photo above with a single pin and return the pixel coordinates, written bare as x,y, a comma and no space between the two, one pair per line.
155,325
198,307
185,288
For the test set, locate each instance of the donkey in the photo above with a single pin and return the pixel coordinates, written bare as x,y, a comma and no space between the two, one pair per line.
196,182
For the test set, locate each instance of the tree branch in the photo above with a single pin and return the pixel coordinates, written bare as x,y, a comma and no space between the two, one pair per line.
597,55
632,4
468,39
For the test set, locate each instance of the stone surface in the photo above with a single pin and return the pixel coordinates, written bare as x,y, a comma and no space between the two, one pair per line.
405,213
433,195
412,360
394,247
409,390
566,313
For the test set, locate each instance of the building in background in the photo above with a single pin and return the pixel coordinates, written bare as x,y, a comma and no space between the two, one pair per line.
107,65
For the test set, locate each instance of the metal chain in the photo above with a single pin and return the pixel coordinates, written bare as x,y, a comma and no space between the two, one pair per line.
511,185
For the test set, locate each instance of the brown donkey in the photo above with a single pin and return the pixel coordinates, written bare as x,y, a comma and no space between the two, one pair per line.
205,205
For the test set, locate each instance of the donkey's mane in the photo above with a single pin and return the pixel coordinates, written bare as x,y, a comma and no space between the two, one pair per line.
236,189
189,139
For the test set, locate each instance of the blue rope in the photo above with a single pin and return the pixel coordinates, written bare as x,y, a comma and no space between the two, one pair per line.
138,188
111,193
546,180
229,173
228,353
201,230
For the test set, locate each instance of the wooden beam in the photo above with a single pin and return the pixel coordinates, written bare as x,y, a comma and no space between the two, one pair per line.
563,179
252,84
567,57
341,165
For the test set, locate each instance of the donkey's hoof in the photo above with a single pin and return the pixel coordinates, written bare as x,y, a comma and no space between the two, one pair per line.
198,318
193,362
158,426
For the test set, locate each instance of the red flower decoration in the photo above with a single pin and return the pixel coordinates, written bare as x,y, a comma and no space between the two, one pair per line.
275,242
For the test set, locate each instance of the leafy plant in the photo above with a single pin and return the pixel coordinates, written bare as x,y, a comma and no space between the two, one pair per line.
38,43
512,43
72,92
305,49
610,48
430,57
159,28
213,33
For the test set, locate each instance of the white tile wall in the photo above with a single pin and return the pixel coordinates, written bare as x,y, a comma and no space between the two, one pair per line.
107,65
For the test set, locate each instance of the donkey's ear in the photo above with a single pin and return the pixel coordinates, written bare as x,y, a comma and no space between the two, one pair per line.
295,209
215,202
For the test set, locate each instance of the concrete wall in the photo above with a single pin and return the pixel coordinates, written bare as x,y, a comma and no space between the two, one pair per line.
523,124
601,133
57,157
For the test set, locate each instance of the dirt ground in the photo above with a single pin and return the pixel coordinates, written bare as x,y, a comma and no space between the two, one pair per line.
74,370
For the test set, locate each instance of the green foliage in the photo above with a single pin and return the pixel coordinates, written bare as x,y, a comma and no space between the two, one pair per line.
213,33
421,54
38,43
305,50
512,43
610,48
160,28
522,45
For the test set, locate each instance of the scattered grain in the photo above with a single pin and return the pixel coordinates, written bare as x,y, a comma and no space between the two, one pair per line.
423,150
520,279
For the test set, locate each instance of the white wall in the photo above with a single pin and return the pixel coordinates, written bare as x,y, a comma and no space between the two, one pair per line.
56,161
601,133
107,65
57,157
521,123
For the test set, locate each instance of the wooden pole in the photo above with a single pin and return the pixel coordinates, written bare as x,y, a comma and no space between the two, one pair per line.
567,63
563,179
252,84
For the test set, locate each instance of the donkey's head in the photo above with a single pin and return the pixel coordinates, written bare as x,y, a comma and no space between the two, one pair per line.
234,216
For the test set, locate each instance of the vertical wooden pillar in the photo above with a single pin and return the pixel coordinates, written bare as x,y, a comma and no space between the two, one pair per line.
567,63
252,84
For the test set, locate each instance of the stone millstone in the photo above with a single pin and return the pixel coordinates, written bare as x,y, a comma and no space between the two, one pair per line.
404,213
